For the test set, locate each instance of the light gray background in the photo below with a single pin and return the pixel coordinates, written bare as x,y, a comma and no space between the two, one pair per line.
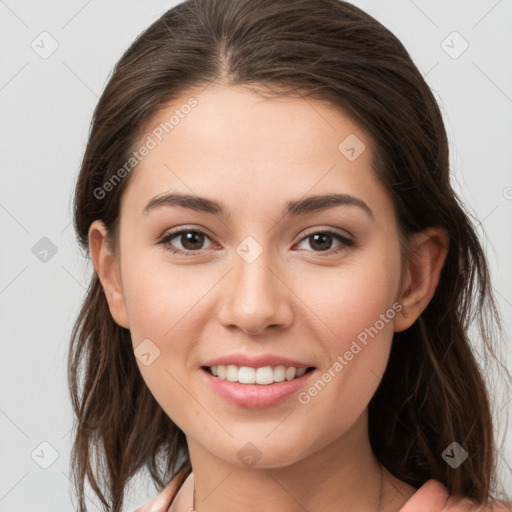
46,106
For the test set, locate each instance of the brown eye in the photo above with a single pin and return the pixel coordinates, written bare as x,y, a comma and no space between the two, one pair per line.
322,241
190,240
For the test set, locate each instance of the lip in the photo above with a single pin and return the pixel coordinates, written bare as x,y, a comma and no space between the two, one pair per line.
253,396
257,361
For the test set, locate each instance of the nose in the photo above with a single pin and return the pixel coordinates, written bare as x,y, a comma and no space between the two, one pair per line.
255,298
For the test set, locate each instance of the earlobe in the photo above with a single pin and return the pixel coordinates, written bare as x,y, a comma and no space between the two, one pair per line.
107,268
428,253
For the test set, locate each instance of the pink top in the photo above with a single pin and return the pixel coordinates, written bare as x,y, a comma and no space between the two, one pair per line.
432,496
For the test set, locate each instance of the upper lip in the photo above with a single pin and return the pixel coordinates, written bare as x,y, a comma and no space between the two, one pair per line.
257,361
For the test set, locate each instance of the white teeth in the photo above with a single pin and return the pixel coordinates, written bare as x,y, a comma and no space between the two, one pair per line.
263,375
290,373
231,373
279,373
300,372
245,375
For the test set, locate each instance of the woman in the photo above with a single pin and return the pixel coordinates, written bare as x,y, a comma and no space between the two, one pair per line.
284,276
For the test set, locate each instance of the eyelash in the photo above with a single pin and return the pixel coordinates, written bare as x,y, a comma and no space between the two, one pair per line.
166,238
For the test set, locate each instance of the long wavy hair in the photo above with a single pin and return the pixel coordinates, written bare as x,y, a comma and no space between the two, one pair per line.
433,391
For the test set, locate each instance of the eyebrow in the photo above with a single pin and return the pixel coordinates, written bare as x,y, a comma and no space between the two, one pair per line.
292,208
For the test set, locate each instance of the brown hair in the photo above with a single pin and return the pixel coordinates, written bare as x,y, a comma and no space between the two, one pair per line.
433,392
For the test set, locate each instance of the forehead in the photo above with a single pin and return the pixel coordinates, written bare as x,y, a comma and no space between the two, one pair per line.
252,151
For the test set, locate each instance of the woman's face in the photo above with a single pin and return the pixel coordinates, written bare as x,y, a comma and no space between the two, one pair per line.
259,283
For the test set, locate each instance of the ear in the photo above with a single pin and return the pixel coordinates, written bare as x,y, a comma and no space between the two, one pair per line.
428,250
107,268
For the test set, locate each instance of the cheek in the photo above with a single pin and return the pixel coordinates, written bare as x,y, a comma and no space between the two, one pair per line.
167,306
355,297
167,318
354,308
158,300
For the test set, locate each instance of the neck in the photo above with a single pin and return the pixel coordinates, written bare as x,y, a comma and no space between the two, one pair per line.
344,472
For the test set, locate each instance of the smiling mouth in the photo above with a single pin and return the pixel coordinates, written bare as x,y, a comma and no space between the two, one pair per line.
265,375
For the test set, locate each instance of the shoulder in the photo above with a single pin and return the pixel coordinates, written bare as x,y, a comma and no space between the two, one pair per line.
162,501
433,496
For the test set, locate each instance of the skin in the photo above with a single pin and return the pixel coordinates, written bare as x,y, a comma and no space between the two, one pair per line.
254,154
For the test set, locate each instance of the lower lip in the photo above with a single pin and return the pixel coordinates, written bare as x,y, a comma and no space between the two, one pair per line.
255,396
